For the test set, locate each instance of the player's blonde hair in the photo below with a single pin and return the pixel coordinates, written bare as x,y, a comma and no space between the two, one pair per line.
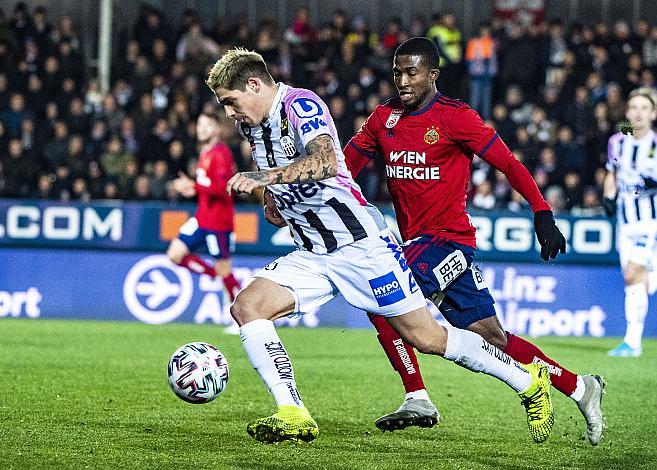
646,92
234,69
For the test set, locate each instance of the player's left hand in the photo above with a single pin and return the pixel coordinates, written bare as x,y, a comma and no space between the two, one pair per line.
549,236
246,182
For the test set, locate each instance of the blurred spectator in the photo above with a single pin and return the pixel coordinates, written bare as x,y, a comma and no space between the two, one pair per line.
194,41
579,114
36,97
20,23
483,197
93,98
56,150
44,187
114,160
142,188
79,190
159,180
110,113
540,128
570,154
156,145
150,27
649,49
65,32
110,190
520,110
76,160
573,190
13,117
19,170
145,116
126,180
447,36
520,60
481,58
590,205
129,135
96,140
554,195
517,203
77,119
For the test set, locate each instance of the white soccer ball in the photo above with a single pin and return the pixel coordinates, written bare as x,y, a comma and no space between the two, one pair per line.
198,372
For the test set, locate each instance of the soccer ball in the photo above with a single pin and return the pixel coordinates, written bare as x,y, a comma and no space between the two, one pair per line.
198,372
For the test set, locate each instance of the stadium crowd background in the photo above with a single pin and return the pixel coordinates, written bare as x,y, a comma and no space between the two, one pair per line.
554,92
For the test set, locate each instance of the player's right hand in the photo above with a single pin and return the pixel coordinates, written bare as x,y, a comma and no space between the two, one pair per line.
549,236
271,211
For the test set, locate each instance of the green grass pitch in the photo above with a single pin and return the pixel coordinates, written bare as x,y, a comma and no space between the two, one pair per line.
95,395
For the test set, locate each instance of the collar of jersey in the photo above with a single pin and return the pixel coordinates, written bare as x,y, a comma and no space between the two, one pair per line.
282,88
427,107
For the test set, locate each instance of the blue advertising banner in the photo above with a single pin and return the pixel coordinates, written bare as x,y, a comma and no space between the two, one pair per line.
149,226
533,300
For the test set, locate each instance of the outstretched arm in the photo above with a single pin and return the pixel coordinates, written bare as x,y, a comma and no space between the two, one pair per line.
320,163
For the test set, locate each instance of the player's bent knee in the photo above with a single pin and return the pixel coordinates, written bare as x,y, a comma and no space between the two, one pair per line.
248,307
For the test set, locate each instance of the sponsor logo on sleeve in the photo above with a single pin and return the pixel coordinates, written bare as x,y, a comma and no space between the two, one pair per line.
312,125
395,114
387,289
306,108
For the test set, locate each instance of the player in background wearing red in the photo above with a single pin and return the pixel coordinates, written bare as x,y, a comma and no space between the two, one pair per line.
212,225
428,141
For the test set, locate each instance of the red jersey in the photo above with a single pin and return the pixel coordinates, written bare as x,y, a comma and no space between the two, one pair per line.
428,153
215,208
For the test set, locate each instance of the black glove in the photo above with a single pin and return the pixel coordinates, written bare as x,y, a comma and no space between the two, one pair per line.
609,206
549,236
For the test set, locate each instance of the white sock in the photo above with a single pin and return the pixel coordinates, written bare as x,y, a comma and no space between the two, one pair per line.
578,394
417,395
471,351
269,358
636,308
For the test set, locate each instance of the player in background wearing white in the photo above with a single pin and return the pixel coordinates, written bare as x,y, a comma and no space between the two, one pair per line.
630,191
337,232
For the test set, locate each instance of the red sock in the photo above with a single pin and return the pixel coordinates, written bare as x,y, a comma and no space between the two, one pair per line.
232,286
525,352
196,264
401,355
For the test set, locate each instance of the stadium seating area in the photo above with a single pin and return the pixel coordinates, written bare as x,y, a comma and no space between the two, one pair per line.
554,92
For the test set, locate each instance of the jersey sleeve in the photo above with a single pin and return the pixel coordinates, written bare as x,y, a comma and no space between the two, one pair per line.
220,171
310,117
613,145
470,130
362,147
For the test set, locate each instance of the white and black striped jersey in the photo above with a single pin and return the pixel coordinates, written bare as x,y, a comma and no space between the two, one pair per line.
322,215
634,161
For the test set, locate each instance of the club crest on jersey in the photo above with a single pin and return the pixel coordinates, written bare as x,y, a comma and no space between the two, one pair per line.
288,146
431,136
395,114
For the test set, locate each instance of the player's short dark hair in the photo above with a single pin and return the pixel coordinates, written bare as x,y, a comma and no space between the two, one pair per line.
424,47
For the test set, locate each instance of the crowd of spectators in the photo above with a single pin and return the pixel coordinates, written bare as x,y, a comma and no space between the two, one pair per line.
555,93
